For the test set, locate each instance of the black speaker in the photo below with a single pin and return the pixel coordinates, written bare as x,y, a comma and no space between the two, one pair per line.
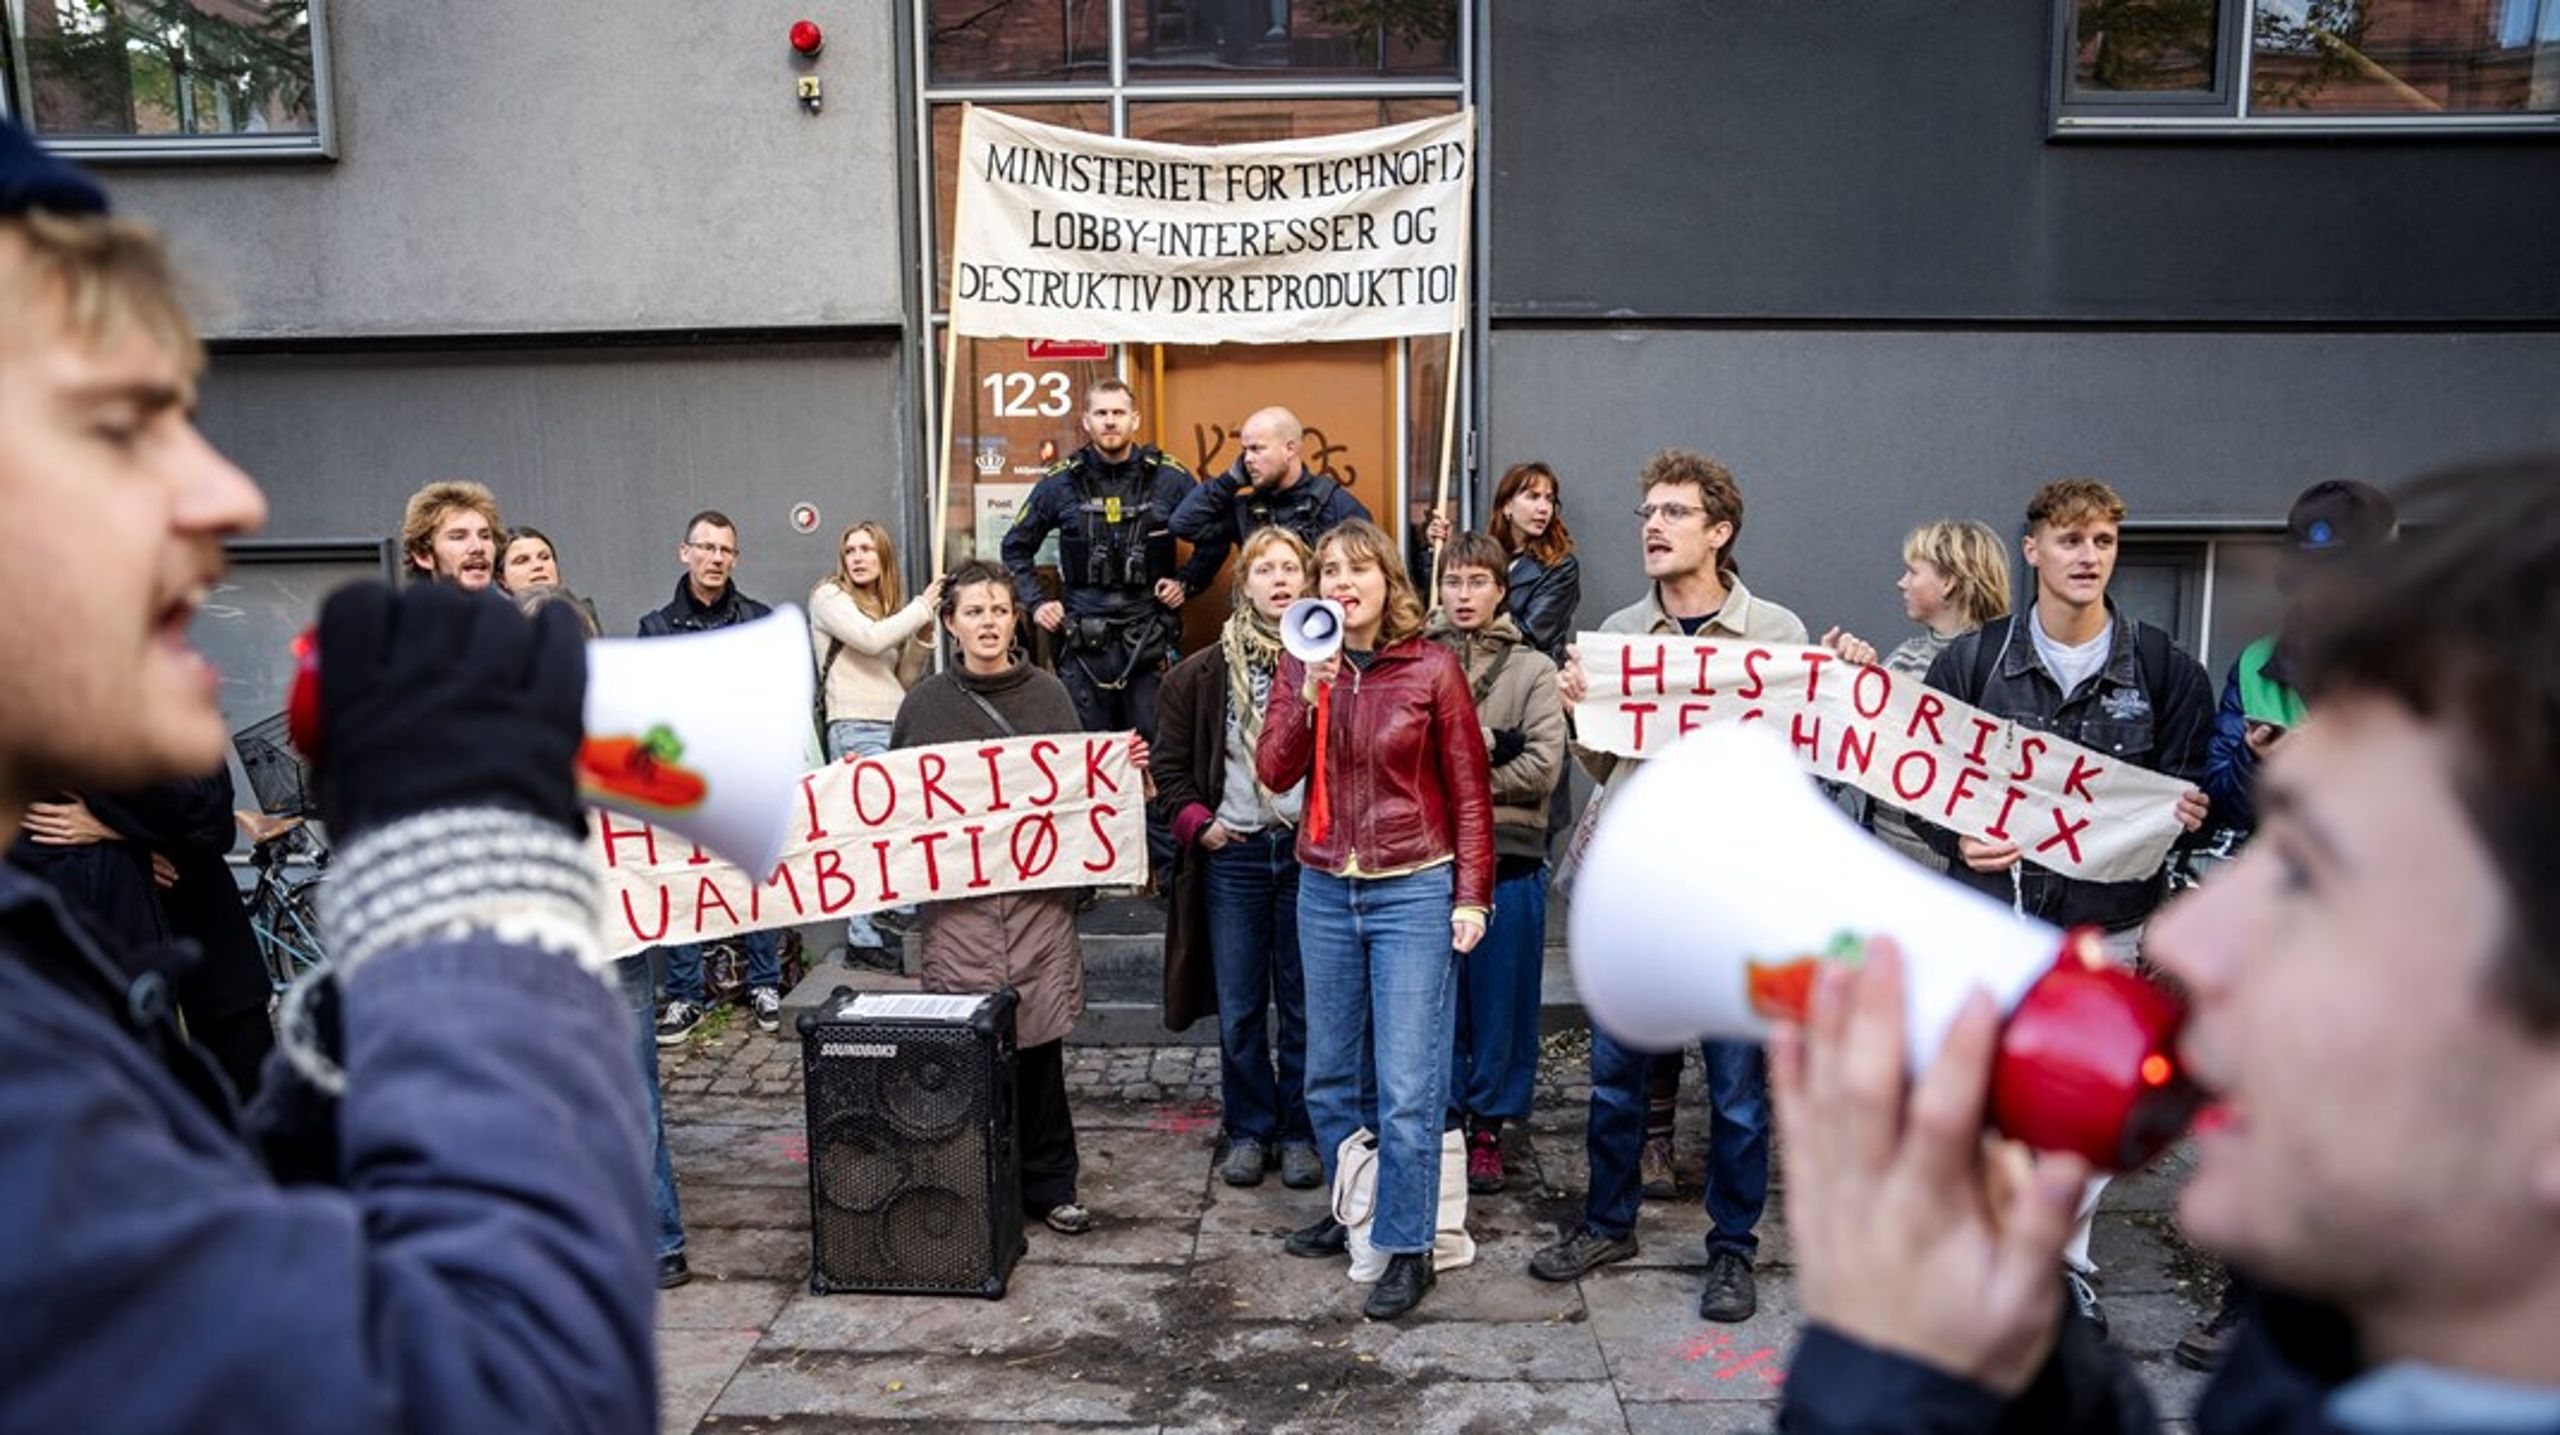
915,1185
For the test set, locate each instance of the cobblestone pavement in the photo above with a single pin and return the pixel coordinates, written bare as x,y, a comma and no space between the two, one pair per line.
1179,1313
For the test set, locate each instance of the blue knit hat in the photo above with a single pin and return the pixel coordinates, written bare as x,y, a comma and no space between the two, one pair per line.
32,179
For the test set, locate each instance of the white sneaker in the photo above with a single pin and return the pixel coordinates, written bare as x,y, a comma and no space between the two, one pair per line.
768,1009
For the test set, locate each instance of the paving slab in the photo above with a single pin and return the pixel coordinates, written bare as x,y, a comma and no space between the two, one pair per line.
694,1366
705,1303
1659,1350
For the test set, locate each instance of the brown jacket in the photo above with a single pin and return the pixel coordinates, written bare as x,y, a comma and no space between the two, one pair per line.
1515,691
1023,940
1190,764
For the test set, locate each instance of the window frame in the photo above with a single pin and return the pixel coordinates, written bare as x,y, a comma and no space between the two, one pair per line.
319,143
2225,112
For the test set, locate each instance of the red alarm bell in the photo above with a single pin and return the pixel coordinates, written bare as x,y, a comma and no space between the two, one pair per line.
808,39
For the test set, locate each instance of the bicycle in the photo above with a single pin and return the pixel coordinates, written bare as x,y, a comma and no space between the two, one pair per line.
283,907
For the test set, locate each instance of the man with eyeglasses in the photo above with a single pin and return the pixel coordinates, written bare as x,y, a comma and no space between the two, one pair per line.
1691,516
706,599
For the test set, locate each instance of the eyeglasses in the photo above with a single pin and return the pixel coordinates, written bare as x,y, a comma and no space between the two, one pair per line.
1467,582
716,550
1671,512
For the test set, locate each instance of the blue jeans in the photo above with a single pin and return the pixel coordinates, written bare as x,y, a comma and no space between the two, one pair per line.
1737,1140
1253,950
764,965
1496,1065
1382,981
633,973
861,737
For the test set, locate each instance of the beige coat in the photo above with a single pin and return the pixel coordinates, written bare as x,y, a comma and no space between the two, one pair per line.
1522,696
1742,616
864,683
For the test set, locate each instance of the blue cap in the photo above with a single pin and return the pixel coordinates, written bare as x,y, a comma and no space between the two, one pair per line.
30,178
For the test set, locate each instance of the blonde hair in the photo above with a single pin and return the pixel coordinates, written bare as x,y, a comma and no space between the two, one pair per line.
1974,559
2068,501
1360,541
882,598
102,277
429,505
1269,536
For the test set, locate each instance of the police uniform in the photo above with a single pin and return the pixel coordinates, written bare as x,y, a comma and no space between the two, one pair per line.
1115,543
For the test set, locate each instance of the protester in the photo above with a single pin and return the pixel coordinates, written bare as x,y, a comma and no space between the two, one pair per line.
1111,503
2332,524
1269,486
147,864
2374,999
1955,578
2088,674
1398,856
1232,944
433,1217
871,642
1544,578
1023,940
1692,518
706,600
449,532
1514,687
528,560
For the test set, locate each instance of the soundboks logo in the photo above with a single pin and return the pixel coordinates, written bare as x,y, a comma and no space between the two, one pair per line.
858,1048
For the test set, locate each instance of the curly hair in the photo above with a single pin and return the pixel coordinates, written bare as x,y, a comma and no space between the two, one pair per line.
1718,493
428,506
2067,501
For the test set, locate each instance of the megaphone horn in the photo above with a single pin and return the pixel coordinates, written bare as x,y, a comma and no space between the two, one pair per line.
703,734
1688,925
1312,629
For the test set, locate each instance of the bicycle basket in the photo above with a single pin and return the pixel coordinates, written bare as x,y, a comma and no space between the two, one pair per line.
279,776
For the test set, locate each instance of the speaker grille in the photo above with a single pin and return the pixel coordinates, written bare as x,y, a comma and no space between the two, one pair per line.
914,1182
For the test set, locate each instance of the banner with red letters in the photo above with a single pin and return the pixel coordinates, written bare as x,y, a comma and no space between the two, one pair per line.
2077,811
920,824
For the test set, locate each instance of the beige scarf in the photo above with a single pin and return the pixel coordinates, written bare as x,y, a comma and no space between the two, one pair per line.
1252,645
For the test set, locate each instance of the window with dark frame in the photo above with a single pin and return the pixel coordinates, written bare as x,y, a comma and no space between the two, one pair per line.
2319,65
102,78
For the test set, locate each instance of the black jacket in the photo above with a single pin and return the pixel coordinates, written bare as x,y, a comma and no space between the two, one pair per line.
684,615
1219,514
2286,1358
1148,475
1541,598
2115,712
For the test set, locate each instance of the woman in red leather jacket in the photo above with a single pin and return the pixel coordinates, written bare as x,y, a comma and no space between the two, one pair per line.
1397,884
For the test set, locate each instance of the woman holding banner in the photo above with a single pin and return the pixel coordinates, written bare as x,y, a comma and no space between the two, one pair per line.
1955,578
870,643
1232,944
1397,852
1023,940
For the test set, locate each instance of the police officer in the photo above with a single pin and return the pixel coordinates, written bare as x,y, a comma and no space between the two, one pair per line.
1270,484
1111,503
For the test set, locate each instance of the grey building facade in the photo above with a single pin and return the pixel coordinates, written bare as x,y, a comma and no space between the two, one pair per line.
1866,252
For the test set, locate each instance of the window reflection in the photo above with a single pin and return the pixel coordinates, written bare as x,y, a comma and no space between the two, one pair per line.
1018,41
169,67
2144,46
2405,56
1212,39
1093,118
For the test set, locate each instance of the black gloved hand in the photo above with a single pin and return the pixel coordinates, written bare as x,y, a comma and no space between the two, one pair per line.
434,698
1508,743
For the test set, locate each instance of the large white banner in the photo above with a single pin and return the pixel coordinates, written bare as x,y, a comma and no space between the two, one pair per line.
2077,811
1067,234
921,824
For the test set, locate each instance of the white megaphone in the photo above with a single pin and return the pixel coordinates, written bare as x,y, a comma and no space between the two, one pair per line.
1311,630
705,734
1719,882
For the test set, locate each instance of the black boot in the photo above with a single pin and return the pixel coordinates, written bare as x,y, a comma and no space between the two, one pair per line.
1408,1279
1327,1237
